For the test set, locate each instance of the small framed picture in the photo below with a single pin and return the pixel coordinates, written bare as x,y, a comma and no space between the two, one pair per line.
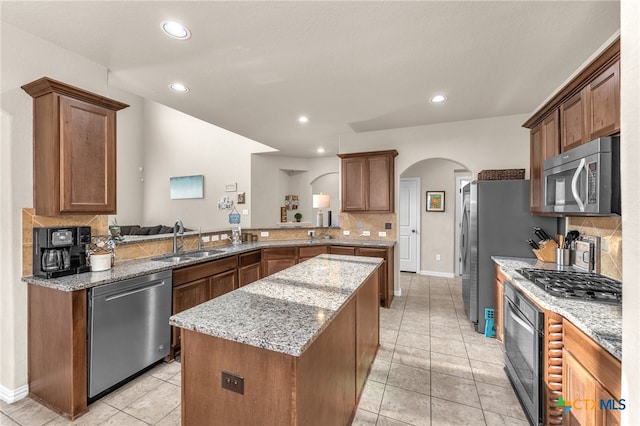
240,197
435,201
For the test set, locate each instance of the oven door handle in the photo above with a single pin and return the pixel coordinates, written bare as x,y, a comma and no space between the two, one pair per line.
520,321
574,184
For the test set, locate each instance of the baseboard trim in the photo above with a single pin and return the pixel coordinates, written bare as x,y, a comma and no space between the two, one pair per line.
437,274
12,395
397,292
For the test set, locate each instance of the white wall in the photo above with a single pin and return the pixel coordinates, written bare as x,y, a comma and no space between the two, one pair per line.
269,184
177,144
437,229
630,174
24,58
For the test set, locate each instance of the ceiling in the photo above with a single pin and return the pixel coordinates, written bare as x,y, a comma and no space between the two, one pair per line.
254,67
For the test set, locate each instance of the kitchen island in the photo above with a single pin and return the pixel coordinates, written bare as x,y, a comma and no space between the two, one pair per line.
294,348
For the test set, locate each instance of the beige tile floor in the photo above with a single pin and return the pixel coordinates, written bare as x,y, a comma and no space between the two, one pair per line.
431,369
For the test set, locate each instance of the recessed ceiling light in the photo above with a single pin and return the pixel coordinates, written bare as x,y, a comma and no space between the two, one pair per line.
320,150
303,119
178,87
438,99
176,30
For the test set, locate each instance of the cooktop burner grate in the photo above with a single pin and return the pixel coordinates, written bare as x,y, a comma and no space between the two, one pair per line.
576,285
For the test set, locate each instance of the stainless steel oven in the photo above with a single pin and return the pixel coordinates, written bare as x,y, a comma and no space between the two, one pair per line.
523,344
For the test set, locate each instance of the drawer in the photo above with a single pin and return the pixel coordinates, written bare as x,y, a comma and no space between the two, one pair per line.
247,259
312,251
279,253
201,270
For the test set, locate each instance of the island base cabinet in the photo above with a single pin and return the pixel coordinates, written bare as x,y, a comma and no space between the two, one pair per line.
320,387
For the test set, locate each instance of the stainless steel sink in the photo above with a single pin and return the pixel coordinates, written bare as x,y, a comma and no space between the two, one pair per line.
203,253
172,258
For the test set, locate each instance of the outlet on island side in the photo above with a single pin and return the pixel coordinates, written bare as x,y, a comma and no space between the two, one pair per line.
233,382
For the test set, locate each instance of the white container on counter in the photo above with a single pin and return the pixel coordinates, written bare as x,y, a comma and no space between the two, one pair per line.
100,262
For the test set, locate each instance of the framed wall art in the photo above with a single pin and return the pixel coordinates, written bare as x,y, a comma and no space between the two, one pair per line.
435,201
185,187
241,198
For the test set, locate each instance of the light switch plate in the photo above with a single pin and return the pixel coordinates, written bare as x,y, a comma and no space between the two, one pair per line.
215,238
245,211
382,234
345,232
264,234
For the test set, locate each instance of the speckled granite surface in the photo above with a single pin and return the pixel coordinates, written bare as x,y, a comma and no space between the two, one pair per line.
138,267
286,311
601,322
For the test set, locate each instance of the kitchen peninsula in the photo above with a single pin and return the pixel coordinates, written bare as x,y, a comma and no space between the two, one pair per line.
293,348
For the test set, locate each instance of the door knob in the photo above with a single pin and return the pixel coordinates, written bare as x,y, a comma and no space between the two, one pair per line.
413,230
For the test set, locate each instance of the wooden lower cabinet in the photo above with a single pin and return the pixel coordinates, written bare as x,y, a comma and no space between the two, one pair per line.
57,343
277,259
498,301
305,253
591,380
344,250
193,285
249,267
319,387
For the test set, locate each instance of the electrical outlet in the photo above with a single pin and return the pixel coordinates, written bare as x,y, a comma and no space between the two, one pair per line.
233,382
264,234
215,238
382,234
206,239
245,212
366,233
345,232
438,257
224,236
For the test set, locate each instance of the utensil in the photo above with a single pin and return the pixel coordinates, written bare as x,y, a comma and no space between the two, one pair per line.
533,244
571,236
542,234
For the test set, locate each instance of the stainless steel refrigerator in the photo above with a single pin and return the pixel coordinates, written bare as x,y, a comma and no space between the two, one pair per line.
495,222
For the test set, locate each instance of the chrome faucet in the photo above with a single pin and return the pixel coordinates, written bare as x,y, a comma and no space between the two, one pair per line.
178,229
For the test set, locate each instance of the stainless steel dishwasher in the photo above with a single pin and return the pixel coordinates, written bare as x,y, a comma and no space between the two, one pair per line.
128,329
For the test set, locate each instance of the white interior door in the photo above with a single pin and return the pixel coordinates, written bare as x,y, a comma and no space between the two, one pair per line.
409,224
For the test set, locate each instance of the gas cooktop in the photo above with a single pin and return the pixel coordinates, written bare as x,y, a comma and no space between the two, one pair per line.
576,285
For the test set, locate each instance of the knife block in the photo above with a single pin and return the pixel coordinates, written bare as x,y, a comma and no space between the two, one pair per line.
547,251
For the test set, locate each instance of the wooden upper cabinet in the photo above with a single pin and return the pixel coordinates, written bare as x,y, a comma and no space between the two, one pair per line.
572,116
368,181
594,111
74,149
603,94
545,143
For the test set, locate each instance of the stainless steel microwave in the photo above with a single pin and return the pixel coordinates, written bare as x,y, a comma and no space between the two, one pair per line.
584,180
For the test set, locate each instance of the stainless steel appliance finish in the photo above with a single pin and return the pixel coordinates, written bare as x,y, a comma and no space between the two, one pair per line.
584,180
128,329
523,344
495,222
576,285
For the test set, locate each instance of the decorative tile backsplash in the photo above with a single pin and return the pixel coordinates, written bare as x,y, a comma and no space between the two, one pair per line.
609,229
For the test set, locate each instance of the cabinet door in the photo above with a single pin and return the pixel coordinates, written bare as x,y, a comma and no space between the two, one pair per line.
184,297
606,417
384,292
572,118
545,143
348,251
367,329
380,189
305,253
87,157
354,184
248,274
270,267
603,94
223,283
579,387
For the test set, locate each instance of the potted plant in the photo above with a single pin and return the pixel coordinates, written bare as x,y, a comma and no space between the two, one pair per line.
298,216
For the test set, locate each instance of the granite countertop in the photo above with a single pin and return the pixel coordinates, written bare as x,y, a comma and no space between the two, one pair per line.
138,267
284,312
602,322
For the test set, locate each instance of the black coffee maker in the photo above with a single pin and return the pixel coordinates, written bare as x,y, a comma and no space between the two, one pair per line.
59,251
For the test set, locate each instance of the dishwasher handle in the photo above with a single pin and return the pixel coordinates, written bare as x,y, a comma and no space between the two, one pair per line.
134,291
